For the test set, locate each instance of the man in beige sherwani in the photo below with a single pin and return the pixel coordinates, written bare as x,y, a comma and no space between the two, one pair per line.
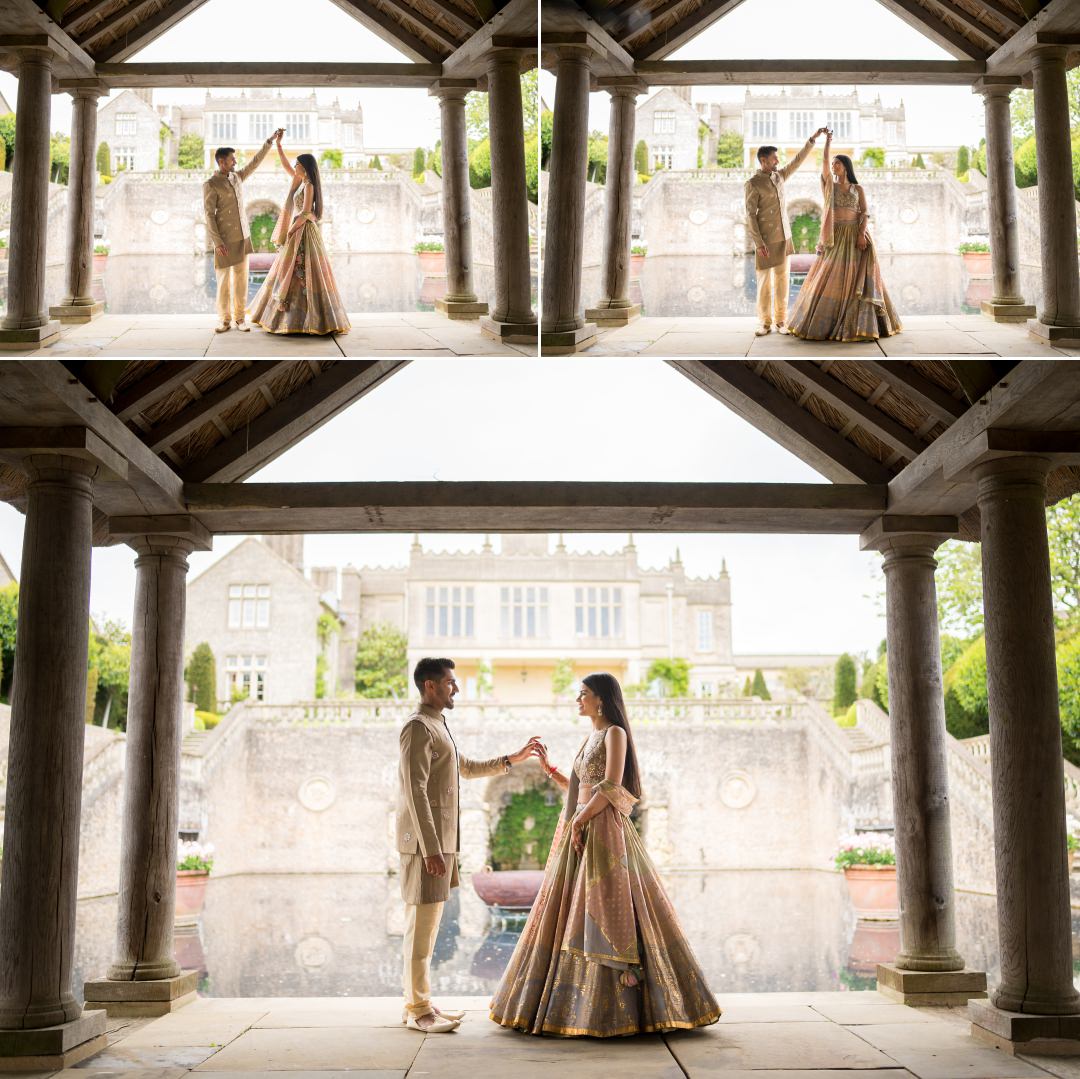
428,831
767,219
227,229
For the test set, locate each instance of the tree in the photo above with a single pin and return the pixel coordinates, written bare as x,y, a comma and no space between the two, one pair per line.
332,158
730,151
476,116
60,156
978,159
532,168
190,154
201,678
758,687
382,662
562,677
9,618
484,678
1063,536
547,128
918,163
110,656
805,231
598,154
480,165
530,99
673,674
843,684
262,229
748,687
376,163
641,158
419,161
7,137
434,159
968,713
959,588
1026,163
327,627
799,680
1068,665
963,160
874,157
1023,106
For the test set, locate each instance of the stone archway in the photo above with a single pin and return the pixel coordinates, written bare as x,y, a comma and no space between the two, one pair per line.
805,215
262,217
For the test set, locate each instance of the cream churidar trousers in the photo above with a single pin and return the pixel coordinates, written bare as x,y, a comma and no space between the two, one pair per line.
421,929
232,285
772,294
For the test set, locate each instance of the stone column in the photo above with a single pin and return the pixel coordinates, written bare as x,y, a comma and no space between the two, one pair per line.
1034,923
45,763
145,978
1007,302
513,318
26,324
78,305
1059,315
928,969
615,307
460,301
563,328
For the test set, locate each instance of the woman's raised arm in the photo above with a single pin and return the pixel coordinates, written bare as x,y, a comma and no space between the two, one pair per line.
283,158
826,163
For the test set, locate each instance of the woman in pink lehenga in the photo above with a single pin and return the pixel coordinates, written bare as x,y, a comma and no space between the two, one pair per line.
843,297
602,953
300,294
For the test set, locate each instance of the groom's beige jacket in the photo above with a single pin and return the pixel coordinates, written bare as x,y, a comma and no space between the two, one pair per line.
766,210
226,222
430,771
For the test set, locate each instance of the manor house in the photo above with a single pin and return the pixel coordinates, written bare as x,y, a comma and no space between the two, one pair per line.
509,618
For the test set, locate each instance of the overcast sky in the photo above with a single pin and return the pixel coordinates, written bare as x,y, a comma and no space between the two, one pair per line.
825,30
620,419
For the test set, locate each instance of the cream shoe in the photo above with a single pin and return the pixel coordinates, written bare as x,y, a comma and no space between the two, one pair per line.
223,327
242,326
438,1024
453,1016
781,328
763,330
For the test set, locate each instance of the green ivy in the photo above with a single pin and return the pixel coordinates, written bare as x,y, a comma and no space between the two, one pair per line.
510,836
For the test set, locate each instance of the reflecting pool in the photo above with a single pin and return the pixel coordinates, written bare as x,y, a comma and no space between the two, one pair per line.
340,935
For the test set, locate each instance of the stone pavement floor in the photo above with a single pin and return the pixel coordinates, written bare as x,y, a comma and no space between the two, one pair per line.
857,1035
408,333
923,335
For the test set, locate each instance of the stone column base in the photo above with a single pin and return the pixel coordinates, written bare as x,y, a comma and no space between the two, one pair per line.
53,1048
513,333
613,316
1044,1035
461,309
35,337
1067,336
1008,312
133,999
566,342
930,987
77,312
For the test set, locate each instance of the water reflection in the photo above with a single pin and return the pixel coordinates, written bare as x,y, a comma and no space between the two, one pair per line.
340,935
707,285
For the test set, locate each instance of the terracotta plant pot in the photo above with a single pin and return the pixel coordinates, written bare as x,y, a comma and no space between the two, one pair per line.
99,264
873,943
873,891
508,889
977,263
636,262
190,891
432,263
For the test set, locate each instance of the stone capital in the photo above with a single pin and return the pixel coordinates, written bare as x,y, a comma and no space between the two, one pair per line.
452,89
165,531
57,467
85,89
1048,49
1015,474
996,85
623,86
896,534
997,443
21,445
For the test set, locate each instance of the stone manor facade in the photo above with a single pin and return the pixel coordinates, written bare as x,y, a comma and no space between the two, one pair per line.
509,618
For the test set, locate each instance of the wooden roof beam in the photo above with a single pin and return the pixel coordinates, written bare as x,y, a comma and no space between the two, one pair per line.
468,24
303,411
211,74
447,37
1058,23
159,383
774,413
111,22
70,23
1005,13
390,30
976,377
840,396
822,508
796,72
26,24
937,30
148,30
685,29
929,396
973,22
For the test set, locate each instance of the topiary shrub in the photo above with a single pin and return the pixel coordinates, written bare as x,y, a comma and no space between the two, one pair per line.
201,678
523,834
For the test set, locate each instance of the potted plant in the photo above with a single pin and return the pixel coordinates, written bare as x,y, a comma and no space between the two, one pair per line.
976,254
101,254
432,257
868,862
637,259
193,864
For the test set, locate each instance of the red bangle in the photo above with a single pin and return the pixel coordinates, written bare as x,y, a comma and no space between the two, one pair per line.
552,770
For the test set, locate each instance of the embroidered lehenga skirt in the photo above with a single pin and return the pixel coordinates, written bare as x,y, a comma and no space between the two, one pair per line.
300,294
843,297
602,920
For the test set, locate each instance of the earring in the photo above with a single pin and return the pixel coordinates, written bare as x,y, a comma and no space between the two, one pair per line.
599,709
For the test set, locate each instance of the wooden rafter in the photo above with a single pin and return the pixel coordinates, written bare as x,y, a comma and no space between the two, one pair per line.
303,411
1005,13
164,378
110,23
976,377
447,37
836,393
467,23
685,29
145,32
212,403
973,22
773,413
427,506
939,31
88,11
390,30
629,30
928,395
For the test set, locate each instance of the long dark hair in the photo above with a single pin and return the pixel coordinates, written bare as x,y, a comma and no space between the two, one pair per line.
311,167
607,688
849,168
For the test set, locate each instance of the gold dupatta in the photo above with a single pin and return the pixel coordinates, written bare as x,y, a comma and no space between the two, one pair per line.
289,247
